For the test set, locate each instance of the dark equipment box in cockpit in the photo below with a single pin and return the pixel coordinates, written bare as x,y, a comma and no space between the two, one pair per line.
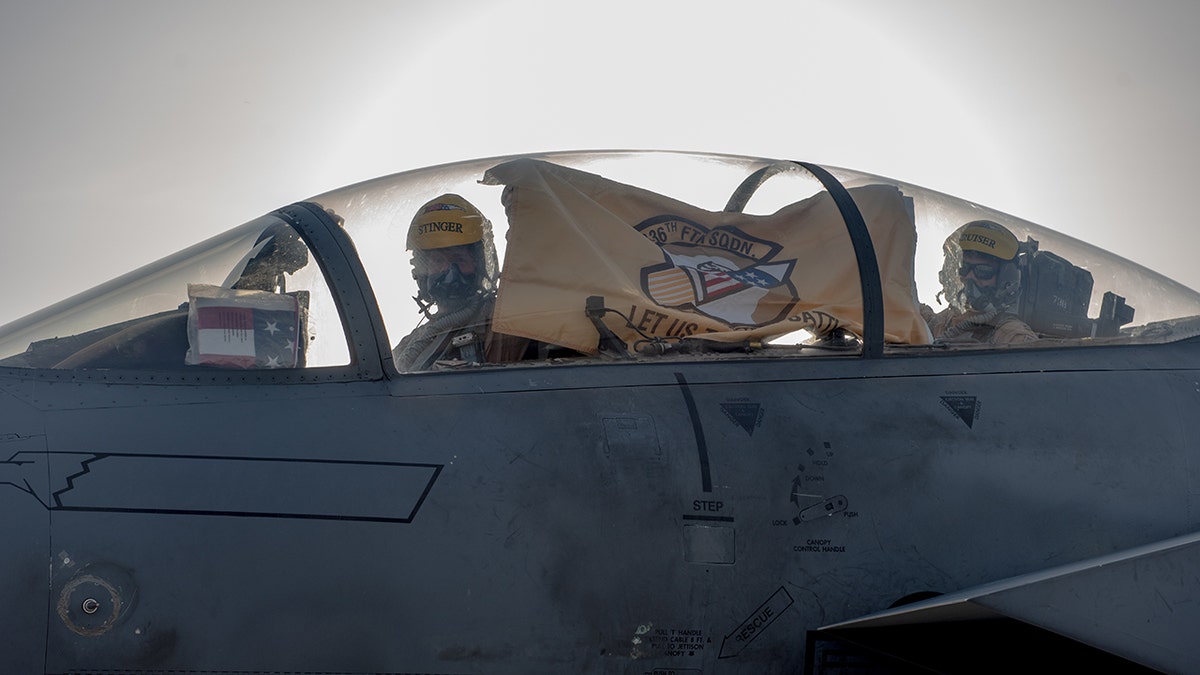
1055,296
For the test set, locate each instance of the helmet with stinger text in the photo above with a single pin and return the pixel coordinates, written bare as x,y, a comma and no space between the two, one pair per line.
453,255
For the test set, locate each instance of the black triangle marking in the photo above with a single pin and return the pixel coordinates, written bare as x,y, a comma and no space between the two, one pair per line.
745,415
964,408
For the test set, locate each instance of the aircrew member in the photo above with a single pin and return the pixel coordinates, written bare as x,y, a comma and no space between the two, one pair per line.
981,280
454,264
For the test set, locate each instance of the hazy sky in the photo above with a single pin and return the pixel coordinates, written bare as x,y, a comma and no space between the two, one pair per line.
133,129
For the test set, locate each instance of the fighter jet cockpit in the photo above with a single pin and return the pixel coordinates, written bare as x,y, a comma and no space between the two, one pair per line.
607,257
252,298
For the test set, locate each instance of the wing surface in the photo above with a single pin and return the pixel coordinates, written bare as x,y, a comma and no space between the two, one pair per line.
1141,606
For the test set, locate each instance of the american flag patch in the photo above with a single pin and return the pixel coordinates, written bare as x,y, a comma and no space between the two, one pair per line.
242,329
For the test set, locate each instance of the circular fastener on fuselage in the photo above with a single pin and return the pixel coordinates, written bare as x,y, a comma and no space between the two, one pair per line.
89,605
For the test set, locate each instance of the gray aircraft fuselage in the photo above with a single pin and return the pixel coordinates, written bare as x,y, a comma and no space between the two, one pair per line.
572,519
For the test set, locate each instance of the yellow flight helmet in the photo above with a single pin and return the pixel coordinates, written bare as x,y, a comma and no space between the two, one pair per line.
445,221
984,236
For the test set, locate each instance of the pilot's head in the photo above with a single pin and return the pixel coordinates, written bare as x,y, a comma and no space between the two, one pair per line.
453,258
981,271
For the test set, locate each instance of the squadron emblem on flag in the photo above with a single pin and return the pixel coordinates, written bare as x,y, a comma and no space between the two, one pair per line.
720,272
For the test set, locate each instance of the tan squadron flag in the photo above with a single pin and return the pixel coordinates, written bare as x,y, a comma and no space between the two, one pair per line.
677,270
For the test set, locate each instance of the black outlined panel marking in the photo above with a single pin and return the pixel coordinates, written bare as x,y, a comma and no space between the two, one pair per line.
235,486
